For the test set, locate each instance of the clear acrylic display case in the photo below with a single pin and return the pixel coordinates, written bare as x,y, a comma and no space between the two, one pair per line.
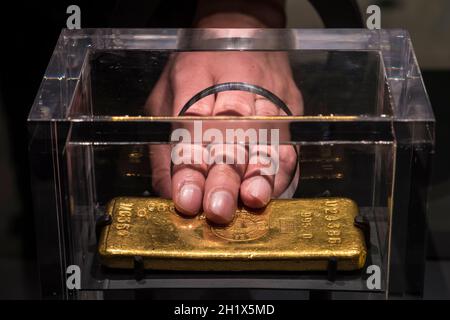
366,133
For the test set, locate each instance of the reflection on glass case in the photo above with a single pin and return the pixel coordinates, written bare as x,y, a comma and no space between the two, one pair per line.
364,131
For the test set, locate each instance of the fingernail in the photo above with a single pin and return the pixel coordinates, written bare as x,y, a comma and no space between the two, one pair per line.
190,198
222,206
259,188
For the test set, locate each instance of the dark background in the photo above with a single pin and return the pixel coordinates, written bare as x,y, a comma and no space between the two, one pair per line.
28,34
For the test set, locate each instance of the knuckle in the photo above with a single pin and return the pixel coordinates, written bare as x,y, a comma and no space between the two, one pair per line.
234,104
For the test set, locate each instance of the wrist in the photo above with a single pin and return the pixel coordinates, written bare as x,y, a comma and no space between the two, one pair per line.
240,14
229,20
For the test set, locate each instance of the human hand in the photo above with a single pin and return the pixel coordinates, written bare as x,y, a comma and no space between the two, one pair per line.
217,187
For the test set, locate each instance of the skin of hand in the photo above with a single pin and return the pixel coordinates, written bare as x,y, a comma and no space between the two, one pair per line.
217,187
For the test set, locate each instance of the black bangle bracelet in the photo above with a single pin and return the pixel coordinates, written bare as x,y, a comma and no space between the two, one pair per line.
236,86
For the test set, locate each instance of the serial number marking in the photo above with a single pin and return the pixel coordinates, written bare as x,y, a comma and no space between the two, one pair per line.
333,227
123,218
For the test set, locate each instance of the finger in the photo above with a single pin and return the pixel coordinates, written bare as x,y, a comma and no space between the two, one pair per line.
295,101
287,169
227,166
187,188
160,154
221,193
286,181
224,180
160,165
257,186
234,103
264,107
188,177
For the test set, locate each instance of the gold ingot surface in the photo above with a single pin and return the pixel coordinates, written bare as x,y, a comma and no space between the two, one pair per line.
297,234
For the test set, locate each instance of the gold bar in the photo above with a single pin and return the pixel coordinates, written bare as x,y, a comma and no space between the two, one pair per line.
298,234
